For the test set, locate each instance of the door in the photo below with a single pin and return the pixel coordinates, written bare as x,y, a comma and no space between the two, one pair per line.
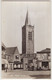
3,66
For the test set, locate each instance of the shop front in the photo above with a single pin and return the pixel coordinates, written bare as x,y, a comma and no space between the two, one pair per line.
43,65
30,65
17,65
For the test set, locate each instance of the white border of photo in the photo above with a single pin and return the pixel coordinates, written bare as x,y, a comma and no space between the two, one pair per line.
0,37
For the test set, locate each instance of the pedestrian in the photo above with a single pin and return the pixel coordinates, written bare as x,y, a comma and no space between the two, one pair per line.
6,67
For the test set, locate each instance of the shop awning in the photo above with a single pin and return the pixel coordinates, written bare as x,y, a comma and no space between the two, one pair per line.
17,62
4,61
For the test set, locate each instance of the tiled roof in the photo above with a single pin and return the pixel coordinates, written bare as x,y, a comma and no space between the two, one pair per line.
10,50
47,50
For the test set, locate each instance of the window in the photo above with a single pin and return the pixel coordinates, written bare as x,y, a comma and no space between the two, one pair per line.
17,57
9,57
30,61
28,55
30,35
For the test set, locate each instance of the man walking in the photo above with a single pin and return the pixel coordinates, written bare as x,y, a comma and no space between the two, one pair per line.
6,67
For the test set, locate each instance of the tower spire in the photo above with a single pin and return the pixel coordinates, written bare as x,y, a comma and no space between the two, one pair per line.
27,21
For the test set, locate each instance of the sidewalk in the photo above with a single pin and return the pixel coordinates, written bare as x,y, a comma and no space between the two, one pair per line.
25,74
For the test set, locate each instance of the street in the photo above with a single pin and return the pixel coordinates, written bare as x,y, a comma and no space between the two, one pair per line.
18,74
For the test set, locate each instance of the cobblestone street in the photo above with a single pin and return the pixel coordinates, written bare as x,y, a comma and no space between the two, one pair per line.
14,74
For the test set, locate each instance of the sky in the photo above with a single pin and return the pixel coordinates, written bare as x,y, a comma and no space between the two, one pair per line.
13,19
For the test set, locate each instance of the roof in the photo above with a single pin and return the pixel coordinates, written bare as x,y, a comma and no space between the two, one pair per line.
27,21
10,50
43,60
47,50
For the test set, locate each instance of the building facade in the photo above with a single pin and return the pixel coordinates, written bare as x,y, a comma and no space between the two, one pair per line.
4,61
13,57
44,59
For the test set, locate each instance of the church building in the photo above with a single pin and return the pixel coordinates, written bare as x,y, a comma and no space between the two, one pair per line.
28,44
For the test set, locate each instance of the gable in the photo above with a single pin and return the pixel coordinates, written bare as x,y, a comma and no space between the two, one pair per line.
10,50
16,52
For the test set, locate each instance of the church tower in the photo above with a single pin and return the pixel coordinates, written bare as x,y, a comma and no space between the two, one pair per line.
27,37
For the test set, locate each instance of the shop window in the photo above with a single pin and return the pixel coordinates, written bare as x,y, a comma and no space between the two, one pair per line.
45,64
21,60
